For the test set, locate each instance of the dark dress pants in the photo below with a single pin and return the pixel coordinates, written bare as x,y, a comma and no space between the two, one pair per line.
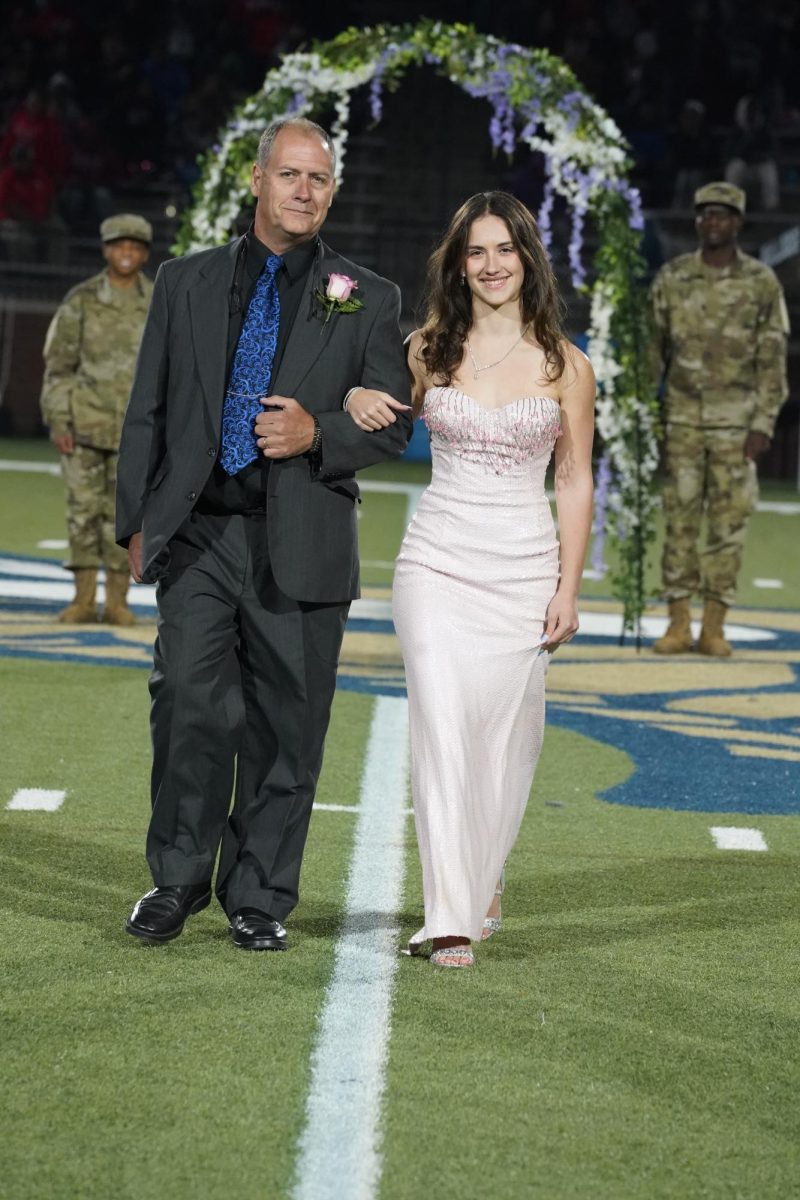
242,687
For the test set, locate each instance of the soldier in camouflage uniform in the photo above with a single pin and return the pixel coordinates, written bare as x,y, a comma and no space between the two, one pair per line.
90,352
719,339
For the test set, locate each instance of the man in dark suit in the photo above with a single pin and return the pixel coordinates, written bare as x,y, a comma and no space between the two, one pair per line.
247,524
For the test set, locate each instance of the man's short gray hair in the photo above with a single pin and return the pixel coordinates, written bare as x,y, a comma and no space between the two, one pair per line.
302,125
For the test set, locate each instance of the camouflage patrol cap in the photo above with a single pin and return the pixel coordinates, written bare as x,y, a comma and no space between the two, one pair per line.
126,225
721,193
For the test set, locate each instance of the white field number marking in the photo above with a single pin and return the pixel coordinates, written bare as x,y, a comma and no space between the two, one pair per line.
735,837
45,799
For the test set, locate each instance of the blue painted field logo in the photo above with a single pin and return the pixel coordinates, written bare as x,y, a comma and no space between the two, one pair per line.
702,734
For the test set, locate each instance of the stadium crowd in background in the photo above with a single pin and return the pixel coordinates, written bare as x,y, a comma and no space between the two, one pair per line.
94,98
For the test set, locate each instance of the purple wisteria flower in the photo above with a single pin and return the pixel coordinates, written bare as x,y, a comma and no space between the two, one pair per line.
580,205
496,89
576,245
571,104
544,218
376,83
633,198
531,112
579,209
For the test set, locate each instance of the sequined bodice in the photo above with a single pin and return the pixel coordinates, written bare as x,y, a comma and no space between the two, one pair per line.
499,438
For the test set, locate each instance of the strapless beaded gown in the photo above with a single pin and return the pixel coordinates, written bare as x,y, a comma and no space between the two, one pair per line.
477,568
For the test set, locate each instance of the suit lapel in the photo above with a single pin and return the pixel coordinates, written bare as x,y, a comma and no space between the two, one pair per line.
310,333
208,316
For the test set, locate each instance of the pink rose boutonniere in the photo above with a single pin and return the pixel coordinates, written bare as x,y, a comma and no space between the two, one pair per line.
338,296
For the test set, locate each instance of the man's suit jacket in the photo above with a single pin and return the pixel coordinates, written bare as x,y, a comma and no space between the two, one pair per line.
170,438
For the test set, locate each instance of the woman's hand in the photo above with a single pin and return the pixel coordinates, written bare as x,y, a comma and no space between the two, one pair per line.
561,622
373,410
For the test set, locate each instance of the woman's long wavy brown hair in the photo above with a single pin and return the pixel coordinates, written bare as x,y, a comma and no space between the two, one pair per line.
448,300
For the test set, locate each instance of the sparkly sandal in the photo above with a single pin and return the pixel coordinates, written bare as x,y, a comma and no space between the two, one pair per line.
453,956
492,924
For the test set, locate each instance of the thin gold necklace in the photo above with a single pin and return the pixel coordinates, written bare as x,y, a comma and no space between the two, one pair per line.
477,368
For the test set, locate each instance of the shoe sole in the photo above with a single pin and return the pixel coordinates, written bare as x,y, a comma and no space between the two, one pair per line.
260,944
158,939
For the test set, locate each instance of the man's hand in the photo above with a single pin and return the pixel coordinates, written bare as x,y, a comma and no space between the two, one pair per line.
63,442
135,557
373,410
286,432
755,445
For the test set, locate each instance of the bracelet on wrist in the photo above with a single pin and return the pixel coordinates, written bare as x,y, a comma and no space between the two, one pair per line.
358,388
316,441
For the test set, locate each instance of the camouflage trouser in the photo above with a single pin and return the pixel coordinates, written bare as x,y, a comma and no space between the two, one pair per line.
706,472
90,479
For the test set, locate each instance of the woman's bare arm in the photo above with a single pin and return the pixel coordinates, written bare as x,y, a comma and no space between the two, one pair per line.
574,490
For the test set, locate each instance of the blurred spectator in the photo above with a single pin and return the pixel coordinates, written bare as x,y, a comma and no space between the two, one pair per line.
87,195
62,102
692,154
27,192
31,124
754,151
263,22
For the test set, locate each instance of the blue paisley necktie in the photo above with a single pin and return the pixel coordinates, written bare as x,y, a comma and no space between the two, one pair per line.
251,370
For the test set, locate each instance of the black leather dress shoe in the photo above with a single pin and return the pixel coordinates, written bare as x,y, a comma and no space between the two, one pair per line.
254,930
161,915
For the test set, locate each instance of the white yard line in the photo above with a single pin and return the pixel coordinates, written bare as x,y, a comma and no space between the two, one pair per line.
36,468
784,508
339,1149
736,837
32,568
412,490
46,799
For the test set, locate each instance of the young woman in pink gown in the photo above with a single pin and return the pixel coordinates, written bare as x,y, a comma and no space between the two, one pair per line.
483,590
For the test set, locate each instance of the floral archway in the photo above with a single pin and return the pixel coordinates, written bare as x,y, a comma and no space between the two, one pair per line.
536,101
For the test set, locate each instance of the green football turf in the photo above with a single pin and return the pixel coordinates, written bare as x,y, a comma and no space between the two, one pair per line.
630,1034
133,1071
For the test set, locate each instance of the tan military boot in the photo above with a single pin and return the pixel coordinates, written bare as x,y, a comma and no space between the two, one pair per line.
678,638
712,636
82,611
116,611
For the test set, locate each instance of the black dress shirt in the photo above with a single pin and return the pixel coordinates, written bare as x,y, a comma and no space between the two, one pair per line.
246,492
